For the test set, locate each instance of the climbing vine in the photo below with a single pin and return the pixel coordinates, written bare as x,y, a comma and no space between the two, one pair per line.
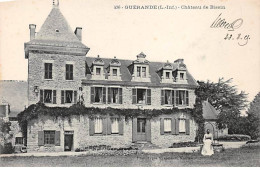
34,110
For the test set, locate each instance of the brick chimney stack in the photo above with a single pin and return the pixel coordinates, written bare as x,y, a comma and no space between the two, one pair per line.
78,32
32,28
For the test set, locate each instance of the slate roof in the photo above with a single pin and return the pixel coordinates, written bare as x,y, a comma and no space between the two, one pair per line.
209,112
48,34
15,94
126,76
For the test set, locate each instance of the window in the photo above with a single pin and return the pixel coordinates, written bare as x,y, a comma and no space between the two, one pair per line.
114,72
49,137
68,96
98,71
182,126
143,71
182,76
141,96
138,71
167,125
167,75
47,70
141,123
48,96
69,72
114,95
98,125
168,97
19,140
182,97
115,125
98,94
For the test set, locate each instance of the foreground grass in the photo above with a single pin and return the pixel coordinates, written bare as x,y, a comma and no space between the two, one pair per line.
231,157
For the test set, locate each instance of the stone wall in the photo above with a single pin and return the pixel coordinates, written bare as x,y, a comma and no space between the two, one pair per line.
80,126
36,74
127,99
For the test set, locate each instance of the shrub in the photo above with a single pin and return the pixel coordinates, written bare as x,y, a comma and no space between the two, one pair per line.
234,137
8,148
184,144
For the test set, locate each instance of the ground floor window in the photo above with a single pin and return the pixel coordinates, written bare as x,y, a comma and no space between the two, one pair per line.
98,125
19,140
49,137
167,125
182,126
115,125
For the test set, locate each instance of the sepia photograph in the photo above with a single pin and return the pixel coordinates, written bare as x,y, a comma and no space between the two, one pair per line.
129,83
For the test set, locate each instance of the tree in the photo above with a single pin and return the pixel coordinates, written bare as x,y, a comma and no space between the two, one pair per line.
254,118
226,99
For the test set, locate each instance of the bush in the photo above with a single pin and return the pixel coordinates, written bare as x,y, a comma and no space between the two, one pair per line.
234,137
8,148
1,149
184,144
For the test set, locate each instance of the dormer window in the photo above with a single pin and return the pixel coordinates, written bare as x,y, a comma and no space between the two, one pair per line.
113,70
167,75
140,69
182,76
98,70
180,72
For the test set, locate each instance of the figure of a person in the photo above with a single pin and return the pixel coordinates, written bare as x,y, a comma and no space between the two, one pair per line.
207,148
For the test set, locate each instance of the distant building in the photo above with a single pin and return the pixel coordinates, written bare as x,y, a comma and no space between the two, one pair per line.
13,100
210,114
60,75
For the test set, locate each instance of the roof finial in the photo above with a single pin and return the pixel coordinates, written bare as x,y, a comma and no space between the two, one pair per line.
54,4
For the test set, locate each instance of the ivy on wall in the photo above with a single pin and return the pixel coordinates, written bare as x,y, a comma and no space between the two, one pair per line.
34,110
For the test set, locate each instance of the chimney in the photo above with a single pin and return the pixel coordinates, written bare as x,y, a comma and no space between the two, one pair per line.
32,28
78,32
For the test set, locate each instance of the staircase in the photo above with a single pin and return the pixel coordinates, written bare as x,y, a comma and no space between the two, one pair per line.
144,145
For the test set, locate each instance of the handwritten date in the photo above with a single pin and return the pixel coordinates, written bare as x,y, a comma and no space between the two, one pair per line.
242,39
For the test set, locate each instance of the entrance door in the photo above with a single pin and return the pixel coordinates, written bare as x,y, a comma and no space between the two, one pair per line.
141,129
68,142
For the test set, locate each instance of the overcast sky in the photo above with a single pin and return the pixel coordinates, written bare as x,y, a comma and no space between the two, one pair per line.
161,34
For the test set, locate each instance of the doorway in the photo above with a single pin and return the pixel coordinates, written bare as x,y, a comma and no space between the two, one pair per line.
141,129
68,140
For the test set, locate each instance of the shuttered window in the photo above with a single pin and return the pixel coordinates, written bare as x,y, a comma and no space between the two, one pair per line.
47,70
115,125
167,125
49,137
182,127
114,95
141,96
98,128
48,96
98,95
69,72
68,96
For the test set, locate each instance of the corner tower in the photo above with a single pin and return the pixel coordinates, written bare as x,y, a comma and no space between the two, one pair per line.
56,61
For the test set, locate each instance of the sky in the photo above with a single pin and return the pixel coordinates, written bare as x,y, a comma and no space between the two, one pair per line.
161,34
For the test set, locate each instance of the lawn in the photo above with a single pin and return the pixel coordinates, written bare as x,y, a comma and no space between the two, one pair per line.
230,157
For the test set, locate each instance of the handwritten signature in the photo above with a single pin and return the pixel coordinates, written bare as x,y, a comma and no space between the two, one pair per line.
231,26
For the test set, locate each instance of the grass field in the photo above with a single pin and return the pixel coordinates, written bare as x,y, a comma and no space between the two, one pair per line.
230,157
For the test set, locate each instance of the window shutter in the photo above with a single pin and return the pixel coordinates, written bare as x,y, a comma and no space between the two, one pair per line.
121,126
104,126
40,138
109,95
71,72
187,126
54,97
62,97
50,71
177,97
148,100
75,96
162,97
177,127
162,126
91,127
109,125
187,98
104,94
148,130
67,71
120,96
134,96
134,127
57,138
173,127
41,96
173,98
92,96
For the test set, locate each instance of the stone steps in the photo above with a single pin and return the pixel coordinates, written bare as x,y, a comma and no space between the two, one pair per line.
144,145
